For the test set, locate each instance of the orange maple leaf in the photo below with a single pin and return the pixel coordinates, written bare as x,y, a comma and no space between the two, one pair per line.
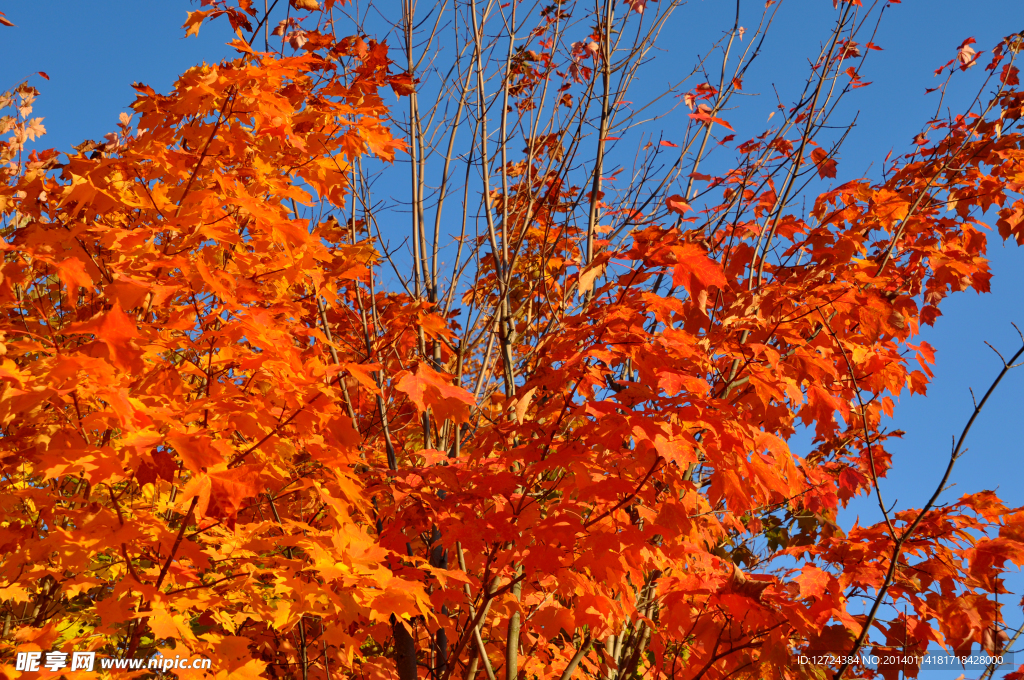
431,390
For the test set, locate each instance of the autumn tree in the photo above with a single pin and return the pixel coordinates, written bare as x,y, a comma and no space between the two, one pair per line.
507,379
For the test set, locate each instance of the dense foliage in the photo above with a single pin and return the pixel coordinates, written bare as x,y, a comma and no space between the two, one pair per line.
230,430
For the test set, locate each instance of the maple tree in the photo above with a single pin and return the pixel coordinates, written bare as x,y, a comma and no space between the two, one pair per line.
557,439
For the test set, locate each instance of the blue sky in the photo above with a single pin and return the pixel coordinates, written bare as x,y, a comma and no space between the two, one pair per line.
94,51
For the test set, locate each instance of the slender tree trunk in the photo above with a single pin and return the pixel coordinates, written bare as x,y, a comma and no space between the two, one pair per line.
405,650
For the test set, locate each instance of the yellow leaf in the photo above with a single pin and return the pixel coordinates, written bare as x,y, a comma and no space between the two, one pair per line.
588,278
16,593
194,21
523,404
164,624
34,128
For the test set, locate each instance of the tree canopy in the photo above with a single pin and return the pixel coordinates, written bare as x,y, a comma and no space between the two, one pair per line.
314,385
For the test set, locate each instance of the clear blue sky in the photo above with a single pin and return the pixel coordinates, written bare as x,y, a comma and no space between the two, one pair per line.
94,51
